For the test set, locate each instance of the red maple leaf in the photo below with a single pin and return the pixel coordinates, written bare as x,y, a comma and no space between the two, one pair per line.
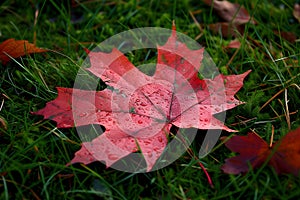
140,110
284,155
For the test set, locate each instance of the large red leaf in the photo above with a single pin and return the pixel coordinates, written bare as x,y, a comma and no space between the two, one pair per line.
139,113
284,155
17,48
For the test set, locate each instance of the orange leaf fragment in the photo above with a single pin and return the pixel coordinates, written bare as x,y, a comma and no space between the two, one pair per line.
283,156
17,48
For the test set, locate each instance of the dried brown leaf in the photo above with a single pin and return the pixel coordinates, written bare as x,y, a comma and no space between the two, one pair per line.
289,36
296,11
231,12
227,29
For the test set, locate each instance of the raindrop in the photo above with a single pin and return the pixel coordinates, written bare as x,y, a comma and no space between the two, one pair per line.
143,104
112,157
160,139
82,114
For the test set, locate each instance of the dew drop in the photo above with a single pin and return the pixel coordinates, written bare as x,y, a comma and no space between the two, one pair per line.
82,114
160,139
112,157
143,104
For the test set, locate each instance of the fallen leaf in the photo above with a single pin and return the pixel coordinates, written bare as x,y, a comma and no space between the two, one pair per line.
289,36
17,48
140,110
234,44
3,122
283,156
230,12
296,11
227,29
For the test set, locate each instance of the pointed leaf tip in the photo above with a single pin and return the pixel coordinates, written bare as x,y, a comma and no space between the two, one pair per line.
87,50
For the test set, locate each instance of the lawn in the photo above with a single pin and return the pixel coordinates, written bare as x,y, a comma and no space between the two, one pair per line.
34,152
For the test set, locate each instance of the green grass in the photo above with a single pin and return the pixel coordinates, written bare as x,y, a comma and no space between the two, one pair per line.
33,152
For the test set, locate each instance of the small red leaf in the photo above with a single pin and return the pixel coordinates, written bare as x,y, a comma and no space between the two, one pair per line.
284,155
17,48
234,44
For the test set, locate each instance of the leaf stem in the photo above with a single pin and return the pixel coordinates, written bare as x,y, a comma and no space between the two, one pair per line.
206,174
